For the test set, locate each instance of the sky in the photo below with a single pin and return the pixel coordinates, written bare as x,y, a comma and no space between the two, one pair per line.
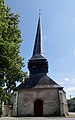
58,32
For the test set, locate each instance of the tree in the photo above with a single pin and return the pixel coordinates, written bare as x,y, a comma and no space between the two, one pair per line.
11,62
71,104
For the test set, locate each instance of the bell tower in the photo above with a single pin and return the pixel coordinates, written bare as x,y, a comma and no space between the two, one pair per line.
38,64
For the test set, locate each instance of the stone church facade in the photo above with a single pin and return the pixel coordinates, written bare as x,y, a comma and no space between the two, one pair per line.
39,95
40,102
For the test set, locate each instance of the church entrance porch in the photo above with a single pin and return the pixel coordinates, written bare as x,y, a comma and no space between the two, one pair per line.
38,108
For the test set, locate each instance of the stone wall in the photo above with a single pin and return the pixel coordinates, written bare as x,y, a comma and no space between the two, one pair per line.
26,99
5,109
14,102
63,103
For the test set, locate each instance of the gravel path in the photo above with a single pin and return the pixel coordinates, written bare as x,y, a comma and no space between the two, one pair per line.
36,118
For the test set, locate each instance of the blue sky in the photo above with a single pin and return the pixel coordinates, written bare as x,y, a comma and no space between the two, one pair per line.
58,28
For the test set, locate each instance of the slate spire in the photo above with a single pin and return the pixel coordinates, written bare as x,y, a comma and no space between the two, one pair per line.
38,47
38,64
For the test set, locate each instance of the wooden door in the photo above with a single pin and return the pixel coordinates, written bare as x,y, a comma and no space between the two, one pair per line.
38,108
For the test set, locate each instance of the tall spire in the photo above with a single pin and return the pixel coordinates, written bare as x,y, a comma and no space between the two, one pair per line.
38,64
38,47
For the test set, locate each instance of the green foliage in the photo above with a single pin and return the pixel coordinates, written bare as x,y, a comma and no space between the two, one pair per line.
71,104
73,98
4,95
11,62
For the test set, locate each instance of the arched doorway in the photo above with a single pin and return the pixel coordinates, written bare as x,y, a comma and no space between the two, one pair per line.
38,108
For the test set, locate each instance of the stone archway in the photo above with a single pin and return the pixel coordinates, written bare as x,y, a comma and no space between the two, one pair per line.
38,108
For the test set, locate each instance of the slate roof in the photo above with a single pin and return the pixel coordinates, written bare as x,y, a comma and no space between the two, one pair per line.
37,57
38,46
39,81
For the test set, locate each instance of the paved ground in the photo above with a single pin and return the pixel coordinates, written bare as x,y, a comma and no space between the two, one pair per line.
36,118
71,117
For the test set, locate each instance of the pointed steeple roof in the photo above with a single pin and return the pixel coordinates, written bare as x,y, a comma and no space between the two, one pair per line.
38,63
38,47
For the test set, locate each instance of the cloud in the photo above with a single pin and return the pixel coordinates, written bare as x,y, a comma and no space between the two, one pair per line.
73,81
69,86
66,79
71,89
61,83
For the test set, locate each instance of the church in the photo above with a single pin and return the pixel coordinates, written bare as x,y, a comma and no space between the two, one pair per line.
39,95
